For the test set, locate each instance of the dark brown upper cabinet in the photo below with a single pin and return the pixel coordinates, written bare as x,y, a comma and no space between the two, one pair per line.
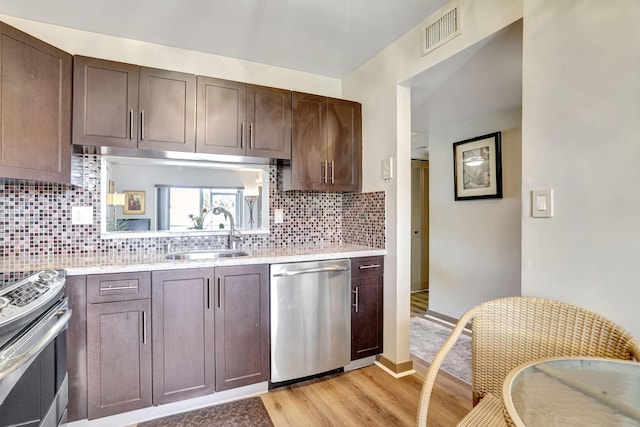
126,106
35,118
239,119
326,151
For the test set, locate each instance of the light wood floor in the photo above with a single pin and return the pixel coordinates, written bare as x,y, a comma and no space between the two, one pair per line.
370,396
366,397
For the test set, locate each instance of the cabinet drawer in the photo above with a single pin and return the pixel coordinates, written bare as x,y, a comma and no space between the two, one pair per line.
367,265
118,287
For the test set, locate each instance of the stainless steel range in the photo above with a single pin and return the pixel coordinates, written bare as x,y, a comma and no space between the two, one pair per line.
33,357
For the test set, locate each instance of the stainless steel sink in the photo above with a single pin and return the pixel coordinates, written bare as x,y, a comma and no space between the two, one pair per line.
211,254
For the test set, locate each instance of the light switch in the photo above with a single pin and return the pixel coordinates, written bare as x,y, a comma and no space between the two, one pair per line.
387,169
542,203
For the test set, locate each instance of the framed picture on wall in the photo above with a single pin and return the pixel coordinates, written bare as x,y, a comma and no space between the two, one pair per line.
477,168
133,202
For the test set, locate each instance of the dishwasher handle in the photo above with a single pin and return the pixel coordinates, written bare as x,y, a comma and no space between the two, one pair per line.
310,270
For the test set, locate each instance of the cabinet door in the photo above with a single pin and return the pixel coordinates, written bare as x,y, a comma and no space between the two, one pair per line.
222,109
269,121
308,144
105,103
366,311
242,326
35,118
182,320
344,141
167,102
118,357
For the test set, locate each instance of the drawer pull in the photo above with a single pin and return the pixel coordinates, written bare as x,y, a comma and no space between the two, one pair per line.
118,288
365,267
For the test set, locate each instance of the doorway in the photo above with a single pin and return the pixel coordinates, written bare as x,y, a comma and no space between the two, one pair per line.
419,236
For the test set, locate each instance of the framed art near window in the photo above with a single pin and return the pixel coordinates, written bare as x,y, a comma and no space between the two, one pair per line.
477,168
133,202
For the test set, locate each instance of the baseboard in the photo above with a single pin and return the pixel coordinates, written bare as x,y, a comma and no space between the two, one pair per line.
395,369
448,321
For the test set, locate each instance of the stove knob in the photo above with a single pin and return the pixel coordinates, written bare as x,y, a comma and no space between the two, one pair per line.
48,275
41,284
4,302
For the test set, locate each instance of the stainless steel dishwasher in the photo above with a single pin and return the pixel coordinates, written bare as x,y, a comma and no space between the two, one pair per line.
310,318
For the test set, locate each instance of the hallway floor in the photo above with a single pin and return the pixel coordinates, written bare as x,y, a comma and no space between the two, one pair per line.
419,303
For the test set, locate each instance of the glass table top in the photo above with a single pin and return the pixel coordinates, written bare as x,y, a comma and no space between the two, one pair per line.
574,392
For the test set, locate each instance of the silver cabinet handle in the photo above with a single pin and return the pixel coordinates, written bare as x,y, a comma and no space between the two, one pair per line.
326,173
208,294
333,174
118,288
131,124
142,124
365,267
251,135
355,291
144,327
219,293
242,134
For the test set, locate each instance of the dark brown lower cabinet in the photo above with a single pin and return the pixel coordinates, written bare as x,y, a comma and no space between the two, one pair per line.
141,338
182,323
118,357
366,313
242,326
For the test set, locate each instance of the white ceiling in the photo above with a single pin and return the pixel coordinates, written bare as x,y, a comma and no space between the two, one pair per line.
326,37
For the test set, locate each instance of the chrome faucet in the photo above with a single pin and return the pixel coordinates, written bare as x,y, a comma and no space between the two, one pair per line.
234,235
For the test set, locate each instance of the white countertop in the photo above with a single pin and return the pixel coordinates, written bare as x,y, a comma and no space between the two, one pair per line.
119,263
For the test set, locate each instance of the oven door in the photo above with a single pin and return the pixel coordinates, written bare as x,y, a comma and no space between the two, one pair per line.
33,374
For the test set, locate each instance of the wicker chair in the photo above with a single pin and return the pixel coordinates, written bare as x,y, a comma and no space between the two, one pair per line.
508,332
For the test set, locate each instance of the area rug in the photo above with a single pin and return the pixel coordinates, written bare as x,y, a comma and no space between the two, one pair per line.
240,413
426,339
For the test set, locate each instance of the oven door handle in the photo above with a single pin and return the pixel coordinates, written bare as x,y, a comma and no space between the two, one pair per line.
24,359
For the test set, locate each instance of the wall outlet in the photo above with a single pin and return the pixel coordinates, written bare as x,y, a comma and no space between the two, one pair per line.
81,215
278,216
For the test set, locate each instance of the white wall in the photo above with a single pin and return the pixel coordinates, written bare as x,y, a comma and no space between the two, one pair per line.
387,133
86,43
476,243
580,136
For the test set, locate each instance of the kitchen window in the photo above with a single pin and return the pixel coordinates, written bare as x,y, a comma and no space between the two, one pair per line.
177,203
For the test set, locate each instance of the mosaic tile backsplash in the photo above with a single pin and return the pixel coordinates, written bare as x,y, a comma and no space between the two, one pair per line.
35,220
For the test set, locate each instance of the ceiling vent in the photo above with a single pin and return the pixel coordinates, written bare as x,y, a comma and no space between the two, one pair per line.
440,27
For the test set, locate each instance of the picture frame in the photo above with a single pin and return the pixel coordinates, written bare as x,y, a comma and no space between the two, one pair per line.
477,167
133,202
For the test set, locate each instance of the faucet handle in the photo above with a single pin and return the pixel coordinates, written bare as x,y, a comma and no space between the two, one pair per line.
238,237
